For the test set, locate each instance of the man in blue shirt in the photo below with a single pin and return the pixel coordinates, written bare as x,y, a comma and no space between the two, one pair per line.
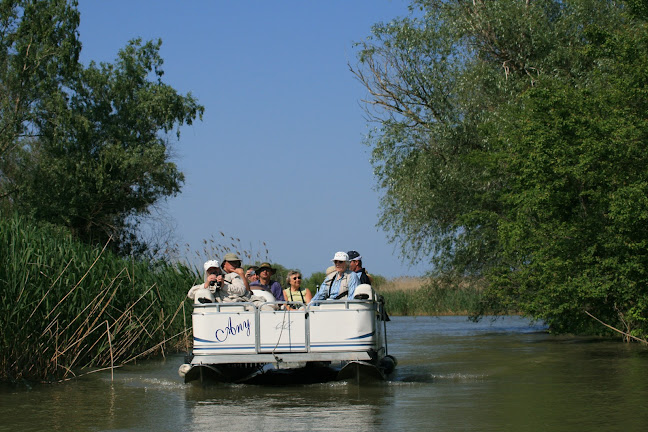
341,283
265,271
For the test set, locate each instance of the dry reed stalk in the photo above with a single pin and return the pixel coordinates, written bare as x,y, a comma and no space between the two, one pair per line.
155,346
626,335
81,280
127,341
112,375
140,298
48,291
88,373
184,318
110,299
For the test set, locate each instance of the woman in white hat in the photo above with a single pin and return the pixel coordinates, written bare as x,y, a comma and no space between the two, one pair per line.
339,284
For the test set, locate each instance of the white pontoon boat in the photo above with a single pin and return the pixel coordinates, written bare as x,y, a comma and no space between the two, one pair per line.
324,341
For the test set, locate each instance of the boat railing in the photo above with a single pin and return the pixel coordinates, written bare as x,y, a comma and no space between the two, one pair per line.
324,326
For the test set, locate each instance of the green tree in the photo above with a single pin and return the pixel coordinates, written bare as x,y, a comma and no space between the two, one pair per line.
574,230
510,144
39,50
99,157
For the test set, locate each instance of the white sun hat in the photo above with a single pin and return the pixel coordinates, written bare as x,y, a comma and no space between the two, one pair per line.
209,264
340,256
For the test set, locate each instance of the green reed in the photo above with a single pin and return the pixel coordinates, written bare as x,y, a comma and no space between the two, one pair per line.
65,305
435,297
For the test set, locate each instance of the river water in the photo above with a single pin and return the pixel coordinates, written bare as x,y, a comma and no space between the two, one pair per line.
453,375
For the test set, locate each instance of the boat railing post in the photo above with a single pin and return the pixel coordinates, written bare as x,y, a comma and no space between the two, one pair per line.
307,327
382,315
257,327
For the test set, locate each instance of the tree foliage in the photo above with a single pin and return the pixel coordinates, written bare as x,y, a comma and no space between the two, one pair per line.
39,49
511,144
98,157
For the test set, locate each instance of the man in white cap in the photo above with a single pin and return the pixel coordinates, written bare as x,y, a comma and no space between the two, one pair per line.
339,284
204,292
218,287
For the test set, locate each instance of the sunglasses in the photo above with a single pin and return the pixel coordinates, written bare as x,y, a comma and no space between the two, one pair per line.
339,262
296,278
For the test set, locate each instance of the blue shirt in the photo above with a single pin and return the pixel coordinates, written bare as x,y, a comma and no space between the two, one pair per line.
330,291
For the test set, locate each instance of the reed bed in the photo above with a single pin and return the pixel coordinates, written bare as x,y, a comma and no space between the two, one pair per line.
67,306
432,296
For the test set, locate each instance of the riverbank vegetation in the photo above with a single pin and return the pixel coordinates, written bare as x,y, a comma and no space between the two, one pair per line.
431,296
512,145
66,305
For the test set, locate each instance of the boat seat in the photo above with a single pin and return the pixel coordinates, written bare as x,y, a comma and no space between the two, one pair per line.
365,291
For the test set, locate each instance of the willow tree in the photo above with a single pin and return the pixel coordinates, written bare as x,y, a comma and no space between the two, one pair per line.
511,144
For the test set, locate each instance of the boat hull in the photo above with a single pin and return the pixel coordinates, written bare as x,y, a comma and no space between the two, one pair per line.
333,340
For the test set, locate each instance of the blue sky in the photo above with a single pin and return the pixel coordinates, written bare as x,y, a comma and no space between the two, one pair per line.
279,156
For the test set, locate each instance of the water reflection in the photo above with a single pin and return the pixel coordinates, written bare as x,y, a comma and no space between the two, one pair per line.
314,407
452,375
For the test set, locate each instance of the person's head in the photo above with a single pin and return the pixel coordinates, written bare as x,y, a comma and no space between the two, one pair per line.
211,267
355,260
340,261
231,262
294,279
265,271
251,274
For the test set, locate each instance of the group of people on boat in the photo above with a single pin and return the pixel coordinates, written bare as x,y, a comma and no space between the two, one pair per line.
228,282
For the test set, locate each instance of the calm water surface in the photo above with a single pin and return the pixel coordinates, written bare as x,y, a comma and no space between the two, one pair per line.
453,375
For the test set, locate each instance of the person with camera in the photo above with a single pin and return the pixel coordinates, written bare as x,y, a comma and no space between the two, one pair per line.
205,292
219,287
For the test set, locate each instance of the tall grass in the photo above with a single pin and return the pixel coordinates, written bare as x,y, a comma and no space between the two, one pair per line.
419,296
65,305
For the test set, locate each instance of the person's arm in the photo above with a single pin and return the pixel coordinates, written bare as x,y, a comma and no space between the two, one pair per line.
239,271
354,281
234,285
192,292
307,296
320,294
277,291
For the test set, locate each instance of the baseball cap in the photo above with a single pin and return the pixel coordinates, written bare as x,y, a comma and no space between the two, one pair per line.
354,255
